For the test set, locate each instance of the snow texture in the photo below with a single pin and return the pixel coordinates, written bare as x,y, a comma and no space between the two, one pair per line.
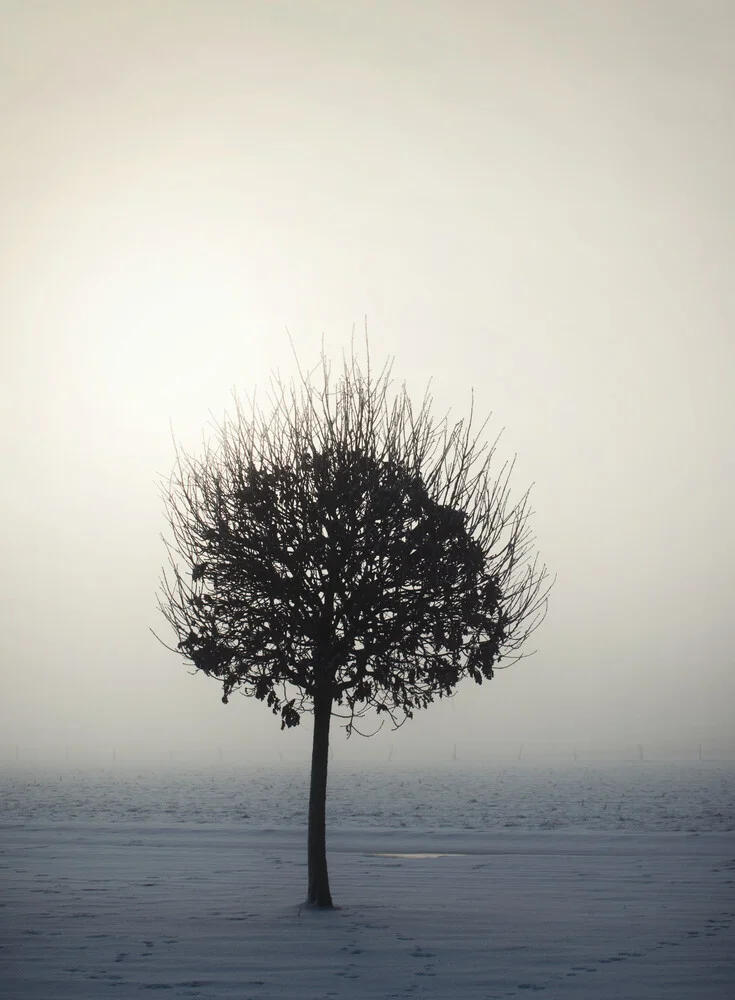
114,902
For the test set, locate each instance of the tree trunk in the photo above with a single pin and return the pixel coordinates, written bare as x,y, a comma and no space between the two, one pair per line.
319,894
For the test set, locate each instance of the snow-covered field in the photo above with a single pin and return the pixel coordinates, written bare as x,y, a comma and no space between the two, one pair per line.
634,796
605,882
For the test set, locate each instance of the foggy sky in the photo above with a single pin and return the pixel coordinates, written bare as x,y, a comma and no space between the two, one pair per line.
532,199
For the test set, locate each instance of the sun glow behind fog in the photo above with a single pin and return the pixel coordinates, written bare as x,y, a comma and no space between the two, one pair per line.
145,298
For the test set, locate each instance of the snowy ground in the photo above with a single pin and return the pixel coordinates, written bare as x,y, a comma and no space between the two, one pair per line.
644,797
93,909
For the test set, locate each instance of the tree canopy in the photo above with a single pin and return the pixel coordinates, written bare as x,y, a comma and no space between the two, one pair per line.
343,547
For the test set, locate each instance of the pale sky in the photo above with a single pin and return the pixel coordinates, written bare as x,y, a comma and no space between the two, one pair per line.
529,198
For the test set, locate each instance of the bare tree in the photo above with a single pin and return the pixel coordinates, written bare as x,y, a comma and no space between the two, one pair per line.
343,552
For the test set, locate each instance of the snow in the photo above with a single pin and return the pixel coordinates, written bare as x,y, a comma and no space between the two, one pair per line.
122,900
643,797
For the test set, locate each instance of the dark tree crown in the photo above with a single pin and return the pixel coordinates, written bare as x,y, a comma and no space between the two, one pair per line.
347,544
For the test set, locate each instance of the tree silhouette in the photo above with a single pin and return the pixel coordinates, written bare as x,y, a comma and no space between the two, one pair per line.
343,552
